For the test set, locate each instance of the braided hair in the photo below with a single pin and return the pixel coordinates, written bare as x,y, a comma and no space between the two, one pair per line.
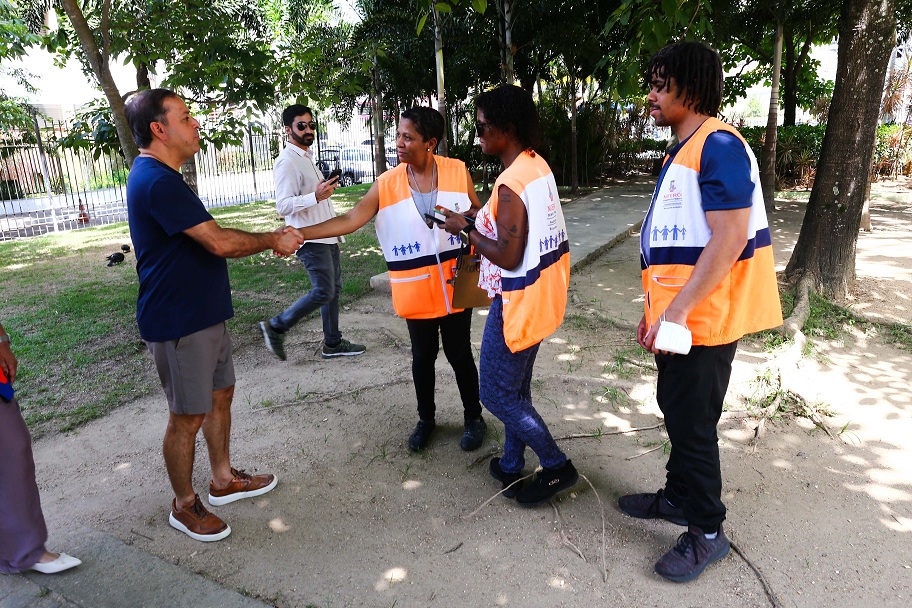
697,71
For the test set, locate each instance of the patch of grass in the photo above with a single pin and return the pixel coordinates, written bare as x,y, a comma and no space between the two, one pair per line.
900,335
829,320
73,318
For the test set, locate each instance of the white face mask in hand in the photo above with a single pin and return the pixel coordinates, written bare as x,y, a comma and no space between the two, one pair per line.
673,338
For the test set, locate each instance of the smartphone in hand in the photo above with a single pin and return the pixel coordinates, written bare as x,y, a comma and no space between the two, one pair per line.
333,174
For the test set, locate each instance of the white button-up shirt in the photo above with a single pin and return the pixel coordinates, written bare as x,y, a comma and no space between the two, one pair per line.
296,179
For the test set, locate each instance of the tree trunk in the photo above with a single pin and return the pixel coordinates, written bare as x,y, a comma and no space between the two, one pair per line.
768,163
188,172
825,251
506,41
789,83
377,119
441,92
102,71
142,77
574,136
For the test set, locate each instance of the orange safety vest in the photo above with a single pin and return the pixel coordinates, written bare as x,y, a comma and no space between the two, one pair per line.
421,260
673,238
535,292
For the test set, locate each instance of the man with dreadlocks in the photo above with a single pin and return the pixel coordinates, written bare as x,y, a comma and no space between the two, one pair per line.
709,278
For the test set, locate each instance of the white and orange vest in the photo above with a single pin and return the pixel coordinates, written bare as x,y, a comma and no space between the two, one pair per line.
535,292
421,260
673,238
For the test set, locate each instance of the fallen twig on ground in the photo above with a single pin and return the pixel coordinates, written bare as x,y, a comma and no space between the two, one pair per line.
597,434
770,594
602,510
324,397
488,501
564,538
658,447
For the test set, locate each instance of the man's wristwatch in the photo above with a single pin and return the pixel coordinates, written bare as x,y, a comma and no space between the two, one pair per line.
464,233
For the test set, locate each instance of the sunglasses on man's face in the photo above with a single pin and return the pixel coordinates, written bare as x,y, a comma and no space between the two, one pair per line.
480,127
312,124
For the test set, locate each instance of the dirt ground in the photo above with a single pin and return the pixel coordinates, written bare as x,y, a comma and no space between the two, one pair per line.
357,520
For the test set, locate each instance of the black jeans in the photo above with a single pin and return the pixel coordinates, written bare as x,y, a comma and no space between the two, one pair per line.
691,391
455,333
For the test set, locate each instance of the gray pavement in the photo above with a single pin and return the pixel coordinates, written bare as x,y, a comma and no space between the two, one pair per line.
117,575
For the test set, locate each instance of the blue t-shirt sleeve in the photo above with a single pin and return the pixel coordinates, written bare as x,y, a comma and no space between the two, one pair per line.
725,181
174,206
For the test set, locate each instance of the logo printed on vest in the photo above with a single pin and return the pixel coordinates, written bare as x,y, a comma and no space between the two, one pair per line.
550,242
674,232
673,198
406,248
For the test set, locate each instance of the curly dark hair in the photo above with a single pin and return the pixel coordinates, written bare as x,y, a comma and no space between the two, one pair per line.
144,108
427,121
512,110
697,71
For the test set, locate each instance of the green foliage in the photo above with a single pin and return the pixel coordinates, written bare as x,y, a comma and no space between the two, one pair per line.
893,150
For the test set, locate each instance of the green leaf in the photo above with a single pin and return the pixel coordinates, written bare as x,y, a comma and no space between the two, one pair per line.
443,7
421,23
480,6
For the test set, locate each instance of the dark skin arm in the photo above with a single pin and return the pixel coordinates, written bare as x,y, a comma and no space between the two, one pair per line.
512,230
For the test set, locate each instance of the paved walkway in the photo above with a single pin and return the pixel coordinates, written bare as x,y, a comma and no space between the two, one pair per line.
117,575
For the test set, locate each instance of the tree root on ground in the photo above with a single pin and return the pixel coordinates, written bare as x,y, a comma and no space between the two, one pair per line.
324,397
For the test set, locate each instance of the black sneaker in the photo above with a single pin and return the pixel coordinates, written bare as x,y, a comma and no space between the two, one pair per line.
275,340
546,484
421,435
474,434
505,478
343,349
691,554
651,506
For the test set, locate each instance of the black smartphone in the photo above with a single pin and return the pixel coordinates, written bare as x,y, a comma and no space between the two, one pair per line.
334,173
435,219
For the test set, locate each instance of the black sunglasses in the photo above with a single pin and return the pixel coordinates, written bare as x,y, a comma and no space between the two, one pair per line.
312,124
480,127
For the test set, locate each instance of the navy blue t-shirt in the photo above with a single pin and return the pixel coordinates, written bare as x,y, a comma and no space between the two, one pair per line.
182,287
725,170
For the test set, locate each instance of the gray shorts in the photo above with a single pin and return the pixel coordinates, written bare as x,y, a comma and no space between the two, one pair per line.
190,368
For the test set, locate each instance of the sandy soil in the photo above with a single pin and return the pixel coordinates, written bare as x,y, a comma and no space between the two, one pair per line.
357,520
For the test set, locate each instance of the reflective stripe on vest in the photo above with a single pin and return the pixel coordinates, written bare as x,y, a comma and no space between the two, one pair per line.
747,299
535,293
421,260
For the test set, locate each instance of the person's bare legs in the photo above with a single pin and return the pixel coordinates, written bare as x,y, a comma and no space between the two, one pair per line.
179,448
217,431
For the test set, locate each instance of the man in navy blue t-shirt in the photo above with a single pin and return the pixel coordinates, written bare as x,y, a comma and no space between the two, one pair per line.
184,301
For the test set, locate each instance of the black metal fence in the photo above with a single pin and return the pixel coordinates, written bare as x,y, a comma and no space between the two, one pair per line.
45,187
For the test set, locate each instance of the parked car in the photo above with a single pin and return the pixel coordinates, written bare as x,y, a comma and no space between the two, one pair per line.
355,162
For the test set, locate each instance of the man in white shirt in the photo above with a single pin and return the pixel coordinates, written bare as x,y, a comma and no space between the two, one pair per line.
303,198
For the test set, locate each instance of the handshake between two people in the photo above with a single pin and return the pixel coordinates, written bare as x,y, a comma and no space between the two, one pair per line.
289,241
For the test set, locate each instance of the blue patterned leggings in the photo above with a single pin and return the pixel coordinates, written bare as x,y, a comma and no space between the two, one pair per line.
506,390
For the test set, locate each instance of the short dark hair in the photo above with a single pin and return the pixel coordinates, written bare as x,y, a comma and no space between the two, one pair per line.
293,111
144,108
428,122
512,110
697,71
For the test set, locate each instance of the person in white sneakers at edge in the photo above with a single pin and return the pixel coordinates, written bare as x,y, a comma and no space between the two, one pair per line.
22,528
183,303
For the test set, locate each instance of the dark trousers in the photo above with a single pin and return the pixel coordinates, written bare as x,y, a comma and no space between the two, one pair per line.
22,529
455,333
691,391
324,266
